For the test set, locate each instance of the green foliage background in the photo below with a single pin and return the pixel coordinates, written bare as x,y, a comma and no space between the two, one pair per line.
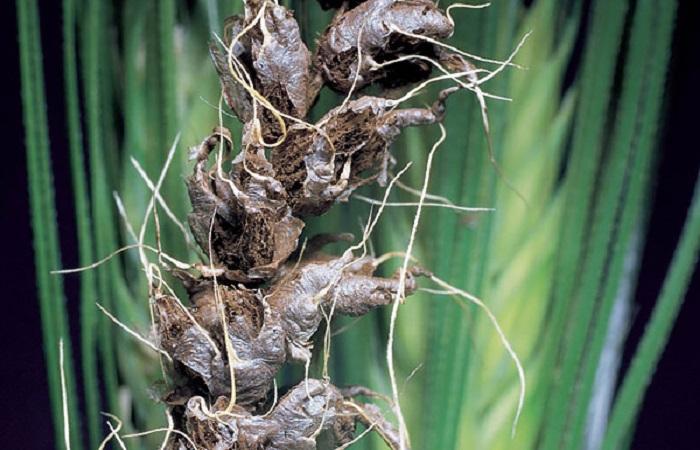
551,269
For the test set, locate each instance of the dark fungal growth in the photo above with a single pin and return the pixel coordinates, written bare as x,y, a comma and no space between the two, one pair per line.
258,301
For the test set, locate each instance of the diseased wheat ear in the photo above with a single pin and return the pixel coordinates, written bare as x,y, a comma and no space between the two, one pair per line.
257,297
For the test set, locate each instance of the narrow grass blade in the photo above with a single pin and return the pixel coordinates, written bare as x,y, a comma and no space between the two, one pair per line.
43,219
104,234
173,188
598,68
637,121
638,377
88,291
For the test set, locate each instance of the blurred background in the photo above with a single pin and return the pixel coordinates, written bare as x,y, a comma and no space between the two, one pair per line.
599,138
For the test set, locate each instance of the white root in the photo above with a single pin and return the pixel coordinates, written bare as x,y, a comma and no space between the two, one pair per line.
357,438
151,205
133,333
401,294
359,67
171,427
64,396
474,85
113,432
467,209
96,264
451,290
454,76
453,48
168,430
372,223
125,218
169,212
221,308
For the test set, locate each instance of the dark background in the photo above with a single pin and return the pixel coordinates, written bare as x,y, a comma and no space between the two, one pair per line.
669,419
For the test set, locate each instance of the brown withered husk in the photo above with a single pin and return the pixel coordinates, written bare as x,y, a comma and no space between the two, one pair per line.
242,216
372,25
308,409
277,62
268,326
317,169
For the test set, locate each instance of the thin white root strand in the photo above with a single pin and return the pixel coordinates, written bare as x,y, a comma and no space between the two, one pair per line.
64,396
96,264
323,421
390,255
133,333
452,48
416,192
362,244
151,206
116,435
435,291
400,295
463,6
451,290
171,427
364,414
113,432
359,67
301,255
221,308
168,212
411,375
447,75
327,338
357,438
274,398
213,106
307,366
417,90
507,62
371,224
346,327
162,430
372,201
122,213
